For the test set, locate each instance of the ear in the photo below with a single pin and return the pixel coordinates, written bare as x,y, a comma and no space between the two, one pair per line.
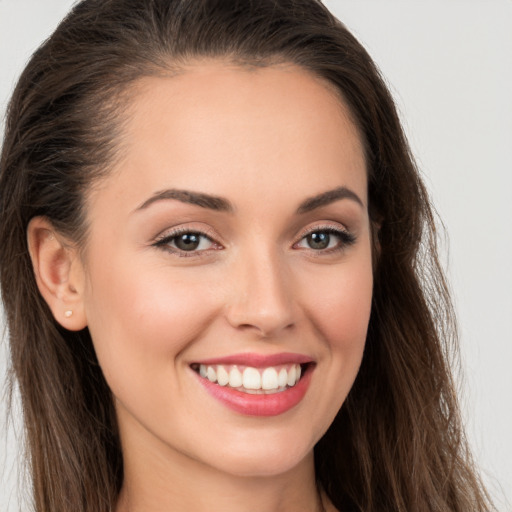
59,273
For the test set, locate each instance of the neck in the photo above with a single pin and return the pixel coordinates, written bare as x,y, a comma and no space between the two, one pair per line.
163,482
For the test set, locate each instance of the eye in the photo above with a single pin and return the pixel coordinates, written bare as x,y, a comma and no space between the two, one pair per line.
186,242
325,239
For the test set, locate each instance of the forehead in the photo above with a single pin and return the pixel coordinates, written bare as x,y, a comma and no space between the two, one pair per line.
216,126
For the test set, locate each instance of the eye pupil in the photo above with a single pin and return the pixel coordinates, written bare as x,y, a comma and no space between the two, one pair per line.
319,240
187,241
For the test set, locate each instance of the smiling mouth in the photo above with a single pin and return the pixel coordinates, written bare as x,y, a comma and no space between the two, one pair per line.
247,379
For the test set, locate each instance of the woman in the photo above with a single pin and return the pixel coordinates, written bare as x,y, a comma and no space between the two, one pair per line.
212,272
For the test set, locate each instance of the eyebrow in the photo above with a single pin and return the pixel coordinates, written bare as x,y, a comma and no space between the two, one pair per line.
185,196
223,205
326,198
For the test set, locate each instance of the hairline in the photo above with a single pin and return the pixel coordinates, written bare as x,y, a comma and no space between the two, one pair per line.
122,97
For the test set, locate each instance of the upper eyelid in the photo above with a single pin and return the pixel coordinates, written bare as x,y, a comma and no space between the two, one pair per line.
170,236
174,232
323,227
216,239
163,242
347,237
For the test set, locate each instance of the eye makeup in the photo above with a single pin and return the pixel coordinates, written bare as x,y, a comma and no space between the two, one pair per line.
190,242
187,242
325,239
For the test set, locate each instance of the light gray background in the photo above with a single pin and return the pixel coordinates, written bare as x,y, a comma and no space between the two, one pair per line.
449,65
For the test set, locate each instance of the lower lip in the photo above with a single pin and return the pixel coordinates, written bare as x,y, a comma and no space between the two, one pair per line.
260,405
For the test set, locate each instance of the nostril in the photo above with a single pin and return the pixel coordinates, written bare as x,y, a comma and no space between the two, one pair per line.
260,304
265,327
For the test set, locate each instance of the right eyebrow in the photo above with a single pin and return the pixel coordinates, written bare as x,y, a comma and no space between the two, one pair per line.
186,196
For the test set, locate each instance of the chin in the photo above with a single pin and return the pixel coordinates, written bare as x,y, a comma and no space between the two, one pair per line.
263,467
264,458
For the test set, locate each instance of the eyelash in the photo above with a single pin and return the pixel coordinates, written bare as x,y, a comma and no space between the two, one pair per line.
346,239
165,241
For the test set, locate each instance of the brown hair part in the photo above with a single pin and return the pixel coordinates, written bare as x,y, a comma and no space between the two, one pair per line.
397,443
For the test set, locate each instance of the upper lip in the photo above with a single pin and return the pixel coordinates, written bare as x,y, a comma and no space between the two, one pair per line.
259,360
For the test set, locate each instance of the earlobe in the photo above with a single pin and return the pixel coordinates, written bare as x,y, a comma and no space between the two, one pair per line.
59,273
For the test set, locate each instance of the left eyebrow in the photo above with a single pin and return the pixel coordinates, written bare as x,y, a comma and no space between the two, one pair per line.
326,198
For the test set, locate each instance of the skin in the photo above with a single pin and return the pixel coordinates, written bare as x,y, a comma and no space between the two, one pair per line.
265,140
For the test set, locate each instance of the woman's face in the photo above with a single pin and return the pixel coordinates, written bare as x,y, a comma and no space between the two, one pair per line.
229,248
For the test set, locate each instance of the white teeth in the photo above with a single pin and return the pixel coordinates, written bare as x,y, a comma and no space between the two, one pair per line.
292,374
222,376
282,378
235,378
269,379
210,373
251,378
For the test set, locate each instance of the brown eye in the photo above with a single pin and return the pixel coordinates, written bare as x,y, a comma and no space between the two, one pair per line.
187,241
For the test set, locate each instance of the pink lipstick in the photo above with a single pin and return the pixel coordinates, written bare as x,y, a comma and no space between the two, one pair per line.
255,384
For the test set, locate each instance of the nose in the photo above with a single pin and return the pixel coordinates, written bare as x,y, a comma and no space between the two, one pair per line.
261,297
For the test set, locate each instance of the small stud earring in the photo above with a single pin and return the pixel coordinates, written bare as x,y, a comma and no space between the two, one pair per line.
68,313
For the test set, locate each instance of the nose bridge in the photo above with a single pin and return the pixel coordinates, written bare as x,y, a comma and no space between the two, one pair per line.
262,297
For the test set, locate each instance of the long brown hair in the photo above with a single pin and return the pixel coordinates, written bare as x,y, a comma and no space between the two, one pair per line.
397,442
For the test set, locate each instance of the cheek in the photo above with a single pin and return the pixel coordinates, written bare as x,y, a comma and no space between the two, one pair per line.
338,308
141,319
341,304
